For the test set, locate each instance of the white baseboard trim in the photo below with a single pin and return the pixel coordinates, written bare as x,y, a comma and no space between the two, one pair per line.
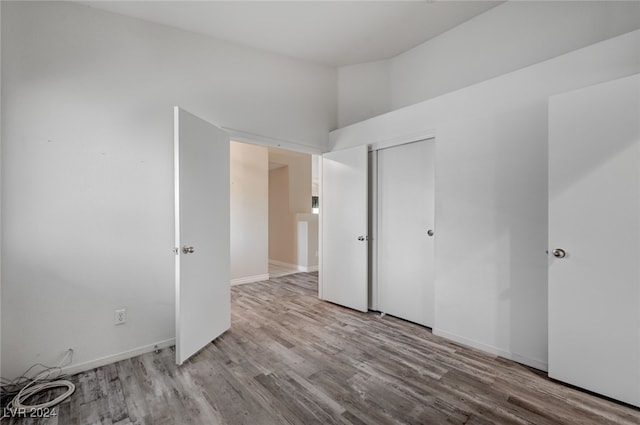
283,264
308,269
537,364
103,361
249,279
305,269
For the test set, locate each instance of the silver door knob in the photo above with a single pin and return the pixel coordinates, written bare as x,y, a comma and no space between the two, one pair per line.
559,253
430,232
188,249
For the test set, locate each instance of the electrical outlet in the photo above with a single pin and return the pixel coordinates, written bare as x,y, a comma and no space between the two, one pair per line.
121,316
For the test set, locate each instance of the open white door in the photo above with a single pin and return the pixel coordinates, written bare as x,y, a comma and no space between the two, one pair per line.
343,209
594,237
203,296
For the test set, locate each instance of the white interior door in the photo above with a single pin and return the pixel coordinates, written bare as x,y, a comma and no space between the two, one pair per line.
405,236
203,296
343,209
594,237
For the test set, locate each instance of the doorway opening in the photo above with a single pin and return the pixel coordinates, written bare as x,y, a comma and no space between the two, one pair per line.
274,231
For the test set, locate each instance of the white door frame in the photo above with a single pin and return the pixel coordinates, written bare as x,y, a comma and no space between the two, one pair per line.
256,139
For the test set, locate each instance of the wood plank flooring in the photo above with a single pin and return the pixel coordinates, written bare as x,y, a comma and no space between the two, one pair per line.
290,358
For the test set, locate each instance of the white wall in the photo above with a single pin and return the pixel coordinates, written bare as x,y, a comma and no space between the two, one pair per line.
508,37
491,193
249,212
363,91
87,167
307,238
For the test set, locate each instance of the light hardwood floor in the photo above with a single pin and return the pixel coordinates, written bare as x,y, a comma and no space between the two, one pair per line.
290,358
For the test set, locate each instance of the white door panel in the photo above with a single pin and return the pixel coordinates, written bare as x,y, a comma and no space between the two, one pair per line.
203,297
343,209
594,216
405,215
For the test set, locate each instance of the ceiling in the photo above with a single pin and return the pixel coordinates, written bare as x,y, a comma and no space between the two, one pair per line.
334,33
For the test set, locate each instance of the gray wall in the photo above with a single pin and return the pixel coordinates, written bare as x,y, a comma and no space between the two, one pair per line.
508,37
87,167
491,193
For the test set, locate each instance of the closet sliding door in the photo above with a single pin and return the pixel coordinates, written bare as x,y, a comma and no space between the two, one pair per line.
406,233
